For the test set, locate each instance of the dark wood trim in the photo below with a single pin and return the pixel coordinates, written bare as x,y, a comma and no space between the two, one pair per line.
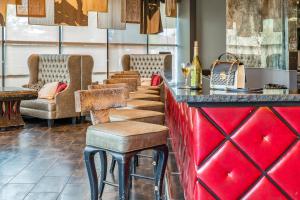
193,26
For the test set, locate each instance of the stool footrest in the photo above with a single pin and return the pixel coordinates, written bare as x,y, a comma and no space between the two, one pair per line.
141,176
111,184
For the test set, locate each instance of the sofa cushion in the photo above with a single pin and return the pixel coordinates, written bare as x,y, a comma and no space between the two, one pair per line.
155,80
126,136
40,104
48,91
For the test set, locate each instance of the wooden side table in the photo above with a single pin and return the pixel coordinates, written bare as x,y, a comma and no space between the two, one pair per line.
10,99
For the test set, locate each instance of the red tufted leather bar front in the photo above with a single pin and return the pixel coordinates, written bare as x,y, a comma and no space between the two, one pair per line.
237,152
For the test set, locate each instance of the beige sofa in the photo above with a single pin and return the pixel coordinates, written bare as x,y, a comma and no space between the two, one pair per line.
75,70
148,64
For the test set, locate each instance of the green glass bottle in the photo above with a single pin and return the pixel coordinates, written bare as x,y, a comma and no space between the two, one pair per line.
196,71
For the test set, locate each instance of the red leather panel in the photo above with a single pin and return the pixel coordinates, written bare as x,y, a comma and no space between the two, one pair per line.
287,172
228,118
201,193
228,173
264,190
291,115
264,140
206,139
264,137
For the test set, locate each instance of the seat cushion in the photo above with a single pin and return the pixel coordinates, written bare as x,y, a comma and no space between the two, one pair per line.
149,88
144,91
40,104
150,97
137,115
128,136
146,105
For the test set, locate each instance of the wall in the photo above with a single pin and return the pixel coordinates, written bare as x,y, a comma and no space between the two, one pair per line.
183,35
211,29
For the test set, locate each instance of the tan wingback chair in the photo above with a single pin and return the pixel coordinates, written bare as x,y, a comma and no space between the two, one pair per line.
147,64
75,70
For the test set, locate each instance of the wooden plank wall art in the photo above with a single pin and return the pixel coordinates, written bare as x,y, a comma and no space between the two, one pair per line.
113,18
150,17
133,11
171,8
96,6
36,8
112,14
256,31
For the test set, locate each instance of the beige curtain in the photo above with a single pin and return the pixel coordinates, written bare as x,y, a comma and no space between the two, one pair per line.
133,11
62,12
171,8
94,5
36,8
113,18
150,17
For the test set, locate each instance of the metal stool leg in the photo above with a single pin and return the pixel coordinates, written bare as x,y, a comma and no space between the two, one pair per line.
89,155
124,161
112,166
162,153
103,171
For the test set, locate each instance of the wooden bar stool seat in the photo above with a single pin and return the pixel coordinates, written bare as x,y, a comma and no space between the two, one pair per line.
146,105
147,116
123,140
126,114
144,96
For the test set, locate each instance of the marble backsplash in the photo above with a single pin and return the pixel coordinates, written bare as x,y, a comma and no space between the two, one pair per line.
262,32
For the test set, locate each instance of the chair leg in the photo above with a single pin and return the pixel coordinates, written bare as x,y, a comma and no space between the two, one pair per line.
103,171
89,158
112,166
162,153
50,123
154,160
74,120
123,161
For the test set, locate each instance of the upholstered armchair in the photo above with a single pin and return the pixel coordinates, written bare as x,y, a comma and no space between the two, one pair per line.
148,64
75,70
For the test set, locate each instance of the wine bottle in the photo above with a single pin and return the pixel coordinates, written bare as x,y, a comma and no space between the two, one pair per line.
196,71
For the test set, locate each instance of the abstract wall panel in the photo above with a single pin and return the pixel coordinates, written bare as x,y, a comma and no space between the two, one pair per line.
113,18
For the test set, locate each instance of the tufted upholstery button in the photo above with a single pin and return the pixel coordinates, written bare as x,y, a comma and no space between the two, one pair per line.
264,148
53,68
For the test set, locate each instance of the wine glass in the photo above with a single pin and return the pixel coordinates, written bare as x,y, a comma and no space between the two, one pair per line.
186,70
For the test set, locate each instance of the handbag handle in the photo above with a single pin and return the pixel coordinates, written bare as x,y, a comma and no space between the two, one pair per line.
228,54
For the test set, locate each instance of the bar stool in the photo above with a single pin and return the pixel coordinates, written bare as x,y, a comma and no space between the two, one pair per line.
124,114
122,140
138,104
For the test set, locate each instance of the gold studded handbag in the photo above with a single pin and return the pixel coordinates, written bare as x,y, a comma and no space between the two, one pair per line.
227,74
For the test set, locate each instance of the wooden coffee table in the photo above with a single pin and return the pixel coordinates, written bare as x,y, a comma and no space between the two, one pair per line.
10,99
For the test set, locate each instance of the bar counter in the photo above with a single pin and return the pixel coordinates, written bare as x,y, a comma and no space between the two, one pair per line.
235,145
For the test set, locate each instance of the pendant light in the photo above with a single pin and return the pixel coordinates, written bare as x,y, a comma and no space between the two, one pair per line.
113,18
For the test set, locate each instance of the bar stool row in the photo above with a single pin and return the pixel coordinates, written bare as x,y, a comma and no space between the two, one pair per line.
127,119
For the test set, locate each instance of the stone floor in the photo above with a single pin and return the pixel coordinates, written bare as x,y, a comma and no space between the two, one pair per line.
38,163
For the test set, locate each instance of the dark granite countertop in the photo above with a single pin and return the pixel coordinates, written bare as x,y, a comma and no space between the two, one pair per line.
219,98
